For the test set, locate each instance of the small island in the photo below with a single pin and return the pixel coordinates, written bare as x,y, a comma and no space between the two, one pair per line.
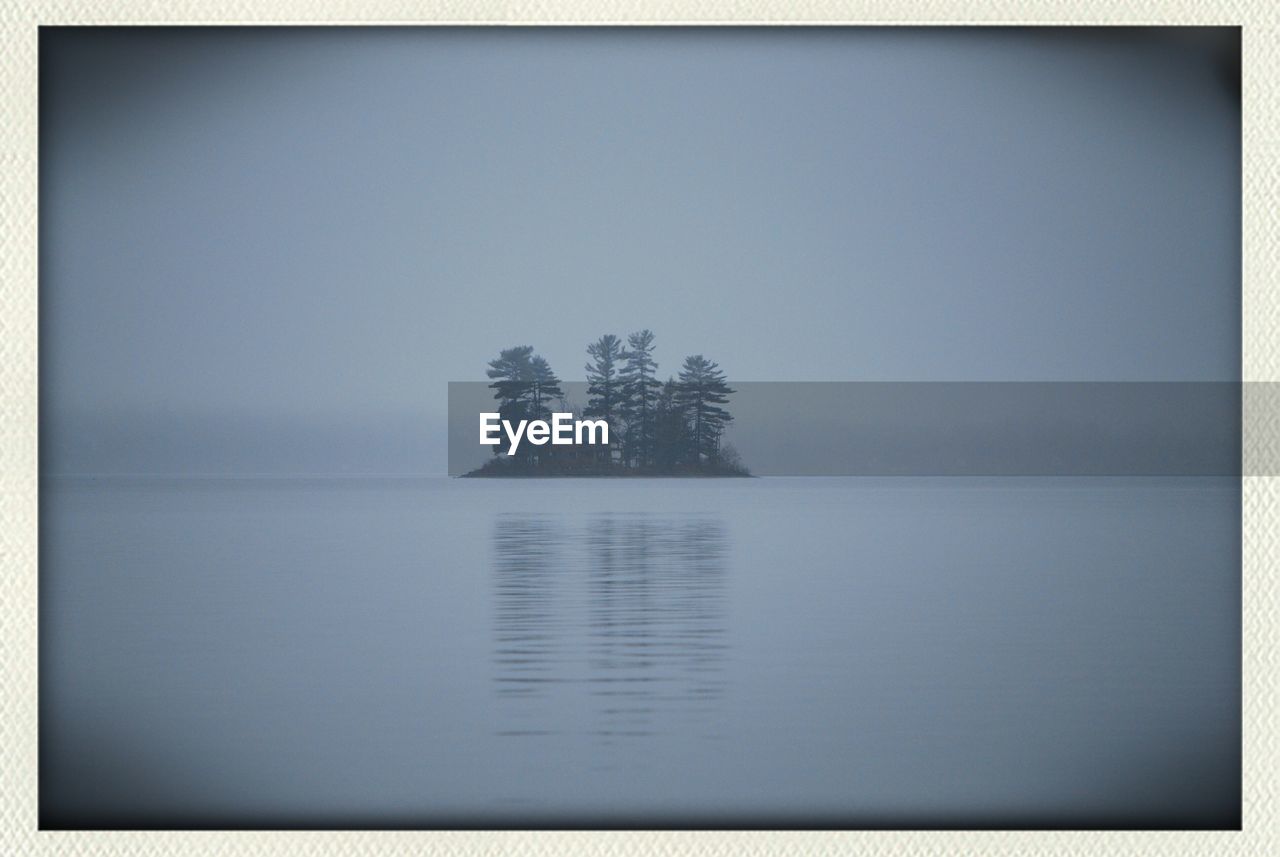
657,428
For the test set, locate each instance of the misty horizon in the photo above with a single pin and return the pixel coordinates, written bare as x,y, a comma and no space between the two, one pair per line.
280,246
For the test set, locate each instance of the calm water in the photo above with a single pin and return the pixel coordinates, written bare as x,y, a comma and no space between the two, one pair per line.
825,652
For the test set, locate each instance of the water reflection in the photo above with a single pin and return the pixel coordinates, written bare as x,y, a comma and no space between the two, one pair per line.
613,626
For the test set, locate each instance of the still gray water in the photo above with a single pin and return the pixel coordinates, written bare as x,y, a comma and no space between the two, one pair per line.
756,652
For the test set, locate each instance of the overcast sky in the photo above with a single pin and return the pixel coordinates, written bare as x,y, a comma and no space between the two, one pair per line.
322,227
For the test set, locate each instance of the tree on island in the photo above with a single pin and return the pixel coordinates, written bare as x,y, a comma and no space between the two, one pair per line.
672,428
699,393
669,429
512,374
604,386
524,386
544,388
640,398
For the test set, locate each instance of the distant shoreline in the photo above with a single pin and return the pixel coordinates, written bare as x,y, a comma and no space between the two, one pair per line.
476,475
497,469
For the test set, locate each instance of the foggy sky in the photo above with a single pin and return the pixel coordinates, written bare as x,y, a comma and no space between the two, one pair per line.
270,250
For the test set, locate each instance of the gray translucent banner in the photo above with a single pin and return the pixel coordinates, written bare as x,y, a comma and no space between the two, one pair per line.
966,428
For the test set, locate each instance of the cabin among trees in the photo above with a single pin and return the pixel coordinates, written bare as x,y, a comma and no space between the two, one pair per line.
656,428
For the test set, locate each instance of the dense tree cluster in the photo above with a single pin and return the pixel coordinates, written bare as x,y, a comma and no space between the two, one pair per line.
656,427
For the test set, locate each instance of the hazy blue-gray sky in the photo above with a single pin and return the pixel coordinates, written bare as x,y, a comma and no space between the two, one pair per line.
271,249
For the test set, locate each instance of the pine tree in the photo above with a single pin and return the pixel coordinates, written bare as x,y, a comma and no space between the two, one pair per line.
544,388
640,394
512,374
700,392
669,428
604,386
524,386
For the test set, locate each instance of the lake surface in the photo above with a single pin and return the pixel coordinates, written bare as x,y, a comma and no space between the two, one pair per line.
762,653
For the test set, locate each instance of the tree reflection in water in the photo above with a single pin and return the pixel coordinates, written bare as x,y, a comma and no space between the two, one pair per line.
620,617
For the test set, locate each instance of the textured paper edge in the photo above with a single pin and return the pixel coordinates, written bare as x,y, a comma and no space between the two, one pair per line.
19,833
